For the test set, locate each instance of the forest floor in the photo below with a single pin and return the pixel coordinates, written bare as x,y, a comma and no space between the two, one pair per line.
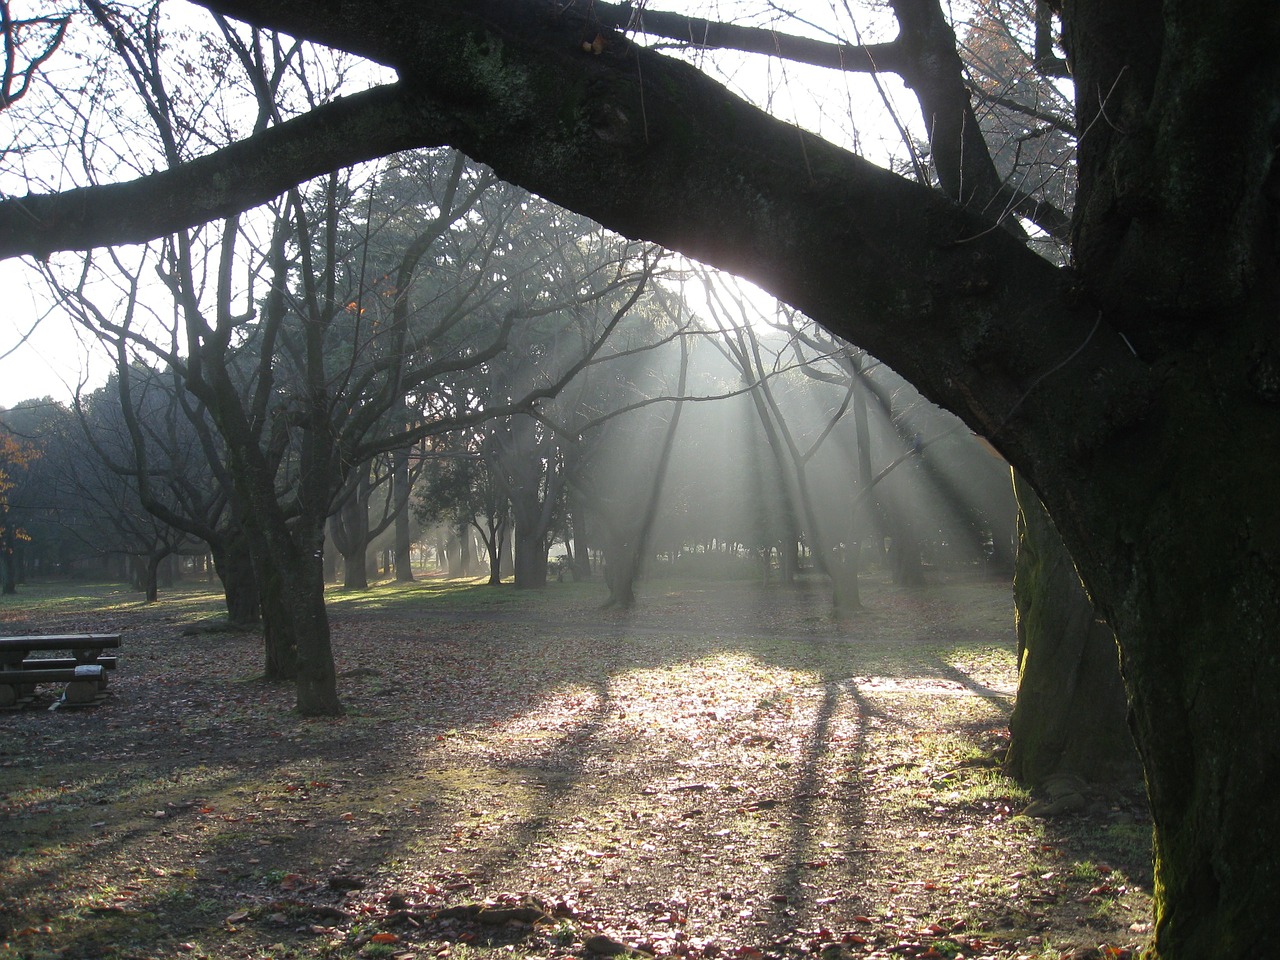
726,772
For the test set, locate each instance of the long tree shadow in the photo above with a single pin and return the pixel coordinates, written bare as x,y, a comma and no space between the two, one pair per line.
493,755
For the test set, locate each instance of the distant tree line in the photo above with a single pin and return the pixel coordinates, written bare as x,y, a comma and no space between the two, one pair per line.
412,345
583,461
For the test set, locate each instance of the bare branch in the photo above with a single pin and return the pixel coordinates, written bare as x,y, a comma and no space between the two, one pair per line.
349,130
710,34
15,80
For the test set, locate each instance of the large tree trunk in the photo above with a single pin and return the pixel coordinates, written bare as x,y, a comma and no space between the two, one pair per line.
296,626
452,552
403,541
620,573
580,552
1070,717
350,527
846,595
233,563
904,549
466,565
280,642
288,556
8,581
144,575
494,543
533,484
150,569
355,571
1190,580
316,681
400,490
1174,524
530,557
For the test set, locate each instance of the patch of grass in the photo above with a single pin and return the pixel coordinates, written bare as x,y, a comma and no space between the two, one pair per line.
457,595
1102,910
1085,871
983,665
65,596
977,786
181,606
1129,841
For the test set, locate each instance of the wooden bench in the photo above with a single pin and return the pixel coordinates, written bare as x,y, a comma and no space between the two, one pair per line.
84,672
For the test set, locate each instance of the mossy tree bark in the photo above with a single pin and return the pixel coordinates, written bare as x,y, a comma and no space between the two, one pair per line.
1070,716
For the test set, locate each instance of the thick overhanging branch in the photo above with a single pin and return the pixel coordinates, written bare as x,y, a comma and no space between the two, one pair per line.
654,149
247,173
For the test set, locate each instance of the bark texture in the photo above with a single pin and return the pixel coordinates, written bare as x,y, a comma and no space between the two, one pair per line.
1069,720
233,563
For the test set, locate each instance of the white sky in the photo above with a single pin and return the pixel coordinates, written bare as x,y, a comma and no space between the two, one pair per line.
55,357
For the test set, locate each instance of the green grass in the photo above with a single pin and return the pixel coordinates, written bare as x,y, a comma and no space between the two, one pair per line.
1086,871
188,601
468,593
67,596
191,601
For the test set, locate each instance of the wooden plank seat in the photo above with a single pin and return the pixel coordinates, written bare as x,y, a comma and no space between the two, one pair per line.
29,675
84,672
84,646
63,663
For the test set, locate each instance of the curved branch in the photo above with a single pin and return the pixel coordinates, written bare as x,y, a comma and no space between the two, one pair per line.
652,148
349,130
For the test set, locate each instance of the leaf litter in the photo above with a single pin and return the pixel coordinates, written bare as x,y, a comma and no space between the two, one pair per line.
726,772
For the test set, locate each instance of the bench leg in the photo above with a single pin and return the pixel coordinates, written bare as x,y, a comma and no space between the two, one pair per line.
81,691
8,694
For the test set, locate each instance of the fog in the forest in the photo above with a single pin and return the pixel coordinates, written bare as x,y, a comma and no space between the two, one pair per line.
792,456
477,383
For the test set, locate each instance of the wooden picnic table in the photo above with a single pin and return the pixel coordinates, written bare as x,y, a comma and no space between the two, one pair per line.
84,670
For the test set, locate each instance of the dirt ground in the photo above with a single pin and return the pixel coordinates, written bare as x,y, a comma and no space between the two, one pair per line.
725,772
